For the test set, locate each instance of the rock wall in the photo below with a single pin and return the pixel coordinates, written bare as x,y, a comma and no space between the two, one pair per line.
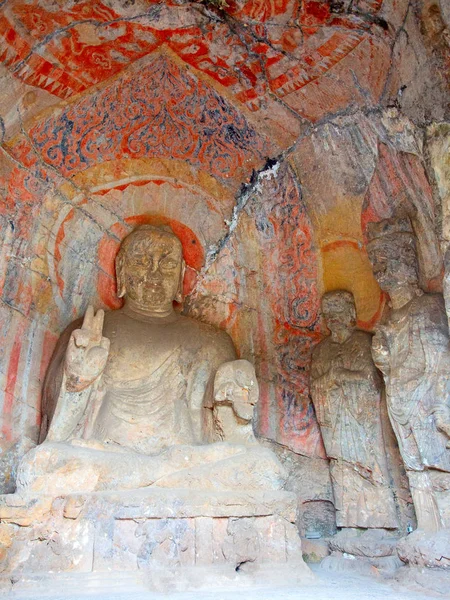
258,131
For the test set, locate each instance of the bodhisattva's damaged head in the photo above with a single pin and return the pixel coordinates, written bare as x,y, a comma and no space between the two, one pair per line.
150,269
392,251
339,312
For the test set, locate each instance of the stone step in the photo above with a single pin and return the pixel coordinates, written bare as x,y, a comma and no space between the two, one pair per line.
81,584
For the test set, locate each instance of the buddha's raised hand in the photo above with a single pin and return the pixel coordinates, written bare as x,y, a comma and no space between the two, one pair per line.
87,352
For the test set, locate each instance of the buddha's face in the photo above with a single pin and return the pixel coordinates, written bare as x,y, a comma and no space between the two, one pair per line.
394,261
338,309
150,266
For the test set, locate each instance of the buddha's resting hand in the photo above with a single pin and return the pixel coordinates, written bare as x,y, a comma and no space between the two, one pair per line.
236,384
87,352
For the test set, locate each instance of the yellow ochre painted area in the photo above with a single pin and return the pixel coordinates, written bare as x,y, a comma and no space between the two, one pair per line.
345,266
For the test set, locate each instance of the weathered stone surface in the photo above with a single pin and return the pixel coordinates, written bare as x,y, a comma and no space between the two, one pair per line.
9,461
370,552
384,566
410,348
137,406
426,549
418,579
149,529
314,551
315,502
119,114
370,543
438,150
24,511
316,72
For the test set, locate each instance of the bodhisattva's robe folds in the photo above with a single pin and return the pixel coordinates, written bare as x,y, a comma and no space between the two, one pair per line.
411,349
347,392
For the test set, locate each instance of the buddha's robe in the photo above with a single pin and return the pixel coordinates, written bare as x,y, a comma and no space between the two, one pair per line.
148,420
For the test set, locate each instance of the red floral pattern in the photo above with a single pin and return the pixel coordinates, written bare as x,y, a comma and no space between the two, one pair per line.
87,43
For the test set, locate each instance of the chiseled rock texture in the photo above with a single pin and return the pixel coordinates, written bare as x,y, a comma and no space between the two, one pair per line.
167,530
427,556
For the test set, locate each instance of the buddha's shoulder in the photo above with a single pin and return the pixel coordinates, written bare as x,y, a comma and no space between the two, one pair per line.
206,341
203,332
191,333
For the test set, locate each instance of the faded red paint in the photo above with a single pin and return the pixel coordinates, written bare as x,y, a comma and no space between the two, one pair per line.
10,385
162,108
315,13
101,43
258,10
399,179
370,324
59,238
169,114
341,244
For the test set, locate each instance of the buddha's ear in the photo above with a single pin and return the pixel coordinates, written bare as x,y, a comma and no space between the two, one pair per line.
179,296
120,275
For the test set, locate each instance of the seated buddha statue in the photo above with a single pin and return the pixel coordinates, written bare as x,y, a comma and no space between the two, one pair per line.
143,396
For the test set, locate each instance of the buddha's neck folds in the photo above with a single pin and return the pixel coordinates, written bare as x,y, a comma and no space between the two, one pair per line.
163,313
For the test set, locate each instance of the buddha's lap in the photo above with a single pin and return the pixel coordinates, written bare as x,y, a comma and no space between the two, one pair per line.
65,468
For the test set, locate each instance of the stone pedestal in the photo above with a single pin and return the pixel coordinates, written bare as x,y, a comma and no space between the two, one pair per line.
427,558
372,552
170,535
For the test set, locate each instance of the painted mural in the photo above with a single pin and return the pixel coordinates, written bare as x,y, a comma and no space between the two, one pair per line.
258,47
255,132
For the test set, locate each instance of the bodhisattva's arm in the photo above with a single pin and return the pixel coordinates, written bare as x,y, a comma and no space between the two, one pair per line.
381,351
77,373
326,372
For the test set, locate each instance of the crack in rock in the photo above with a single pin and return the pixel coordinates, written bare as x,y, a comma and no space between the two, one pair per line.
268,171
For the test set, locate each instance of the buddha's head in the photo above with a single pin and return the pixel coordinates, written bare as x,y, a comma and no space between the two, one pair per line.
392,252
339,312
150,269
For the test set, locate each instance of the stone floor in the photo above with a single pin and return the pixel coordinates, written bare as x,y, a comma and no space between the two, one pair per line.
329,586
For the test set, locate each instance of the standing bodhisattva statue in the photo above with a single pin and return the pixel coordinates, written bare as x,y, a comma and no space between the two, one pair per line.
346,390
142,396
411,349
